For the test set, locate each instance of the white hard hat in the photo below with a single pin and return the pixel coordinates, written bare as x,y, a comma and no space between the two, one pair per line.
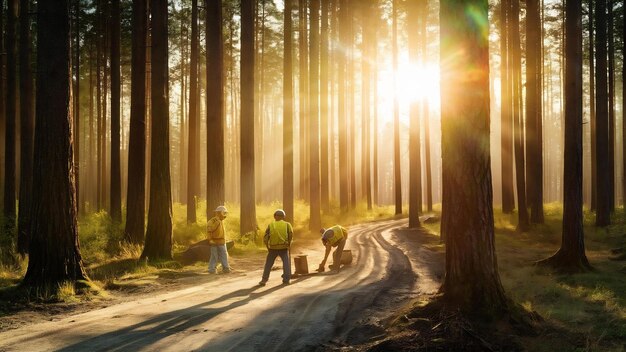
222,209
280,212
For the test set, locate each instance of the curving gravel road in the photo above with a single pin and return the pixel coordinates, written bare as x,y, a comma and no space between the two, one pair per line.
321,311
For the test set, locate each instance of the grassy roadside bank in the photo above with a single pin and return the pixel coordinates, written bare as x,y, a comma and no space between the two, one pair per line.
114,268
581,312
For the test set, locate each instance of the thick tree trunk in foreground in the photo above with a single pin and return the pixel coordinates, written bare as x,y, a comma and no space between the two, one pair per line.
592,108
571,256
415,160
27,130
288,198
136,196
215,105
603,211
248,202
54,252
472,282
116,178
193,155
159,232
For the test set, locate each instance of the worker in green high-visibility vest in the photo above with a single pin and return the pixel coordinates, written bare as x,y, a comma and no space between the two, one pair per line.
335,236
277,239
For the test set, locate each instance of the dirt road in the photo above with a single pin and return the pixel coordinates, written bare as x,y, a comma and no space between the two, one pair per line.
234,314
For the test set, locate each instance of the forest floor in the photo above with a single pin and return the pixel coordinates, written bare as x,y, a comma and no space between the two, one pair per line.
377,304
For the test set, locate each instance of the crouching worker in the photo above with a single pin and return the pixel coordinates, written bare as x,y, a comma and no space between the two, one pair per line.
217,241
335,236
277,239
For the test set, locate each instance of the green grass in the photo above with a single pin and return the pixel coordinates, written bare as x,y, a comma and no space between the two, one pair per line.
589,308
113,264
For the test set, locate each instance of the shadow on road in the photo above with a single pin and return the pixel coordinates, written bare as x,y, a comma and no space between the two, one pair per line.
152,330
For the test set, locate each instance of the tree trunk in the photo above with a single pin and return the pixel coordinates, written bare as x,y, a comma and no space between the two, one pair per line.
623,119
366,180
27,129
397,179
159,232
415,185
534,135
193,162
288,198
10,115
315,221
76,94
611,98
592,107
472,282
506,138
341,101
603,214
136,199
515,88
303,101
351,81
98,98
248,203
324,111
571,256
54,249
215,105
116,178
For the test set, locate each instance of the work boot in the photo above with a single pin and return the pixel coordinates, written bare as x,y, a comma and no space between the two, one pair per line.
285,282
262,283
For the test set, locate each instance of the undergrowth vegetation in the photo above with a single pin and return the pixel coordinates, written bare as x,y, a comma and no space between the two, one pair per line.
587,311
112,263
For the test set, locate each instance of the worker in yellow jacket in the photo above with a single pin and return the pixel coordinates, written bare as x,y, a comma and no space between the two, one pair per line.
217,240
277,239
335,236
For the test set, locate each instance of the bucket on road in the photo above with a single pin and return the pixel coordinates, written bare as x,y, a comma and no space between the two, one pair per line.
301,264
346,257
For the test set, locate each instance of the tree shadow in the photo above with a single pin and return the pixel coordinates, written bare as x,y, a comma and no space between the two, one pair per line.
150,331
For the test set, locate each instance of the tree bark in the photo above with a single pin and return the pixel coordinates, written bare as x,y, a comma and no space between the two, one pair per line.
193,162
415,160
159,232
324,111
303,100
592,107
54,249
515,88
341,101
366,179
571,256
397,178
10,115
27,130
116,187
315,221
248,202
506,125
611,99
76,94
534,135
472,282
215,106
288,197
136,198
603,213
